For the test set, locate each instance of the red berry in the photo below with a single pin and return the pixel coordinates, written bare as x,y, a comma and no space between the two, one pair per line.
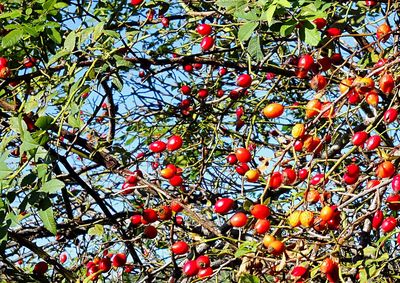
202,93
305,62
203,261
396,183
390,115
136,2
105,264
239,219
190,268
242,168
359,138
336,59
275,181
157,146
393,202
186,90
223,205
231,158
207,43
204,29
205,272
303,174
262,226
260,211
373,142
119,260
377,219
150,215
243,154
150,232
320,23
176,181
136,220
174,143
353,170
389,224
244,80
333,32
222,72
180,248
165,21
3,62
63,257
29,62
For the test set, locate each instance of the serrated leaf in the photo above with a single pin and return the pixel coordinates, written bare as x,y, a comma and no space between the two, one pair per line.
4,170
254,48
268,15
52,186
44,122
28,143
249,278
245,248
47,217
12,38
12,15
310,36
98,30
70,40
97,230
246,30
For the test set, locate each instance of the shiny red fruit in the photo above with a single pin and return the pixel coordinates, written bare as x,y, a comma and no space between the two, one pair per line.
105,264
305,62
385,170
203,261
3,62
359,138
373,142
223,205
389,224
150,215
370,3
318,179
275,181
260,211
386,83
377,219
180,248
333,32
174,143
231,158
353,170
396,183
320,23
63,257
165,21
157,146
176,207
136,2
136,220
318,82
207,43
204,29
390,115
350,180
393,202
244,80
119,260
298,145
165,213
190,268
150,232
127,188
4,72
303,174
299,271
289,176
242,168
29,62
188,68
243,154
186,90
239,219
262,226
327,266
176,181
205,272
336,59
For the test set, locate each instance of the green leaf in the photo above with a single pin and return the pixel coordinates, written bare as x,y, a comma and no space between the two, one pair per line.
28,143
249,278
60,5
254,48
12,38
4,170
44,122
52,186
75,122
231,3
12,15
70,40
287,28
98,30
47,216
268,15
245,248
369,251
310,36
97,230
284,3
246,30
55,35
